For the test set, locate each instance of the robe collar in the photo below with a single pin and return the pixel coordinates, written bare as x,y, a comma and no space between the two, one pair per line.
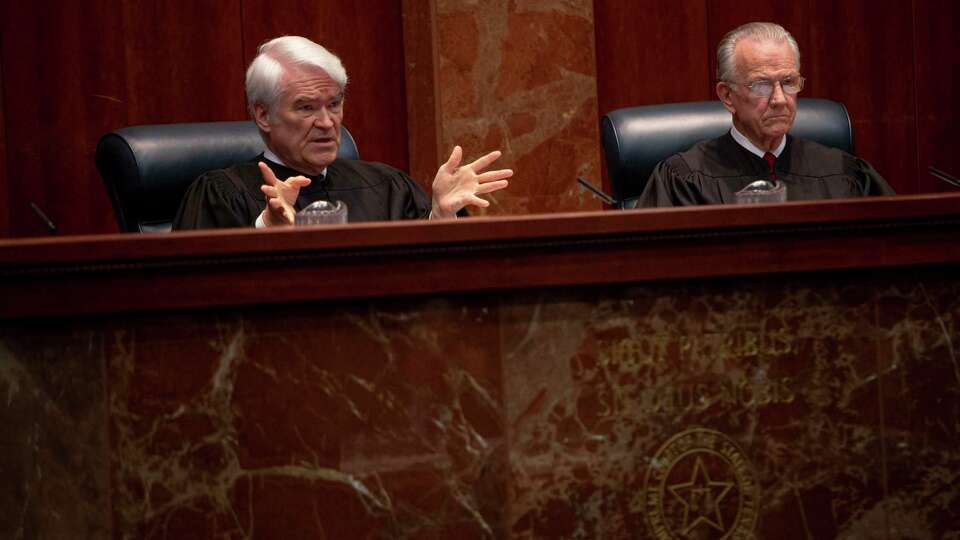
743,141
270,156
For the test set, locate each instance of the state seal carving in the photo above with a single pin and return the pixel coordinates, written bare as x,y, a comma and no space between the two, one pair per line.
700,485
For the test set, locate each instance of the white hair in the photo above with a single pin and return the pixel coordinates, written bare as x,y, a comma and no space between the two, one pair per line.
266,70
759,31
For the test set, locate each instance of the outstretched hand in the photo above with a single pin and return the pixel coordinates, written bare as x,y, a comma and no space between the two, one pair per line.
455,187
281,196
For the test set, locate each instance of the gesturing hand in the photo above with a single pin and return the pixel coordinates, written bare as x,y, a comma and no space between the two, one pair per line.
455,187
281,196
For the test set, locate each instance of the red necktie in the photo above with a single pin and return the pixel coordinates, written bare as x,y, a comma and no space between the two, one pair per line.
771,160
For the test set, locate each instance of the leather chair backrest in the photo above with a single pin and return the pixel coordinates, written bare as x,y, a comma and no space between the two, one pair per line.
147,169
635,139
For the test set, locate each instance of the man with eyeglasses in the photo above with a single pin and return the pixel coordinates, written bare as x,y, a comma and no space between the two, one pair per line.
758,68
295,92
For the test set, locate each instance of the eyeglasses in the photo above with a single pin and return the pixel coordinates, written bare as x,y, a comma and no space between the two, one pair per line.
764,88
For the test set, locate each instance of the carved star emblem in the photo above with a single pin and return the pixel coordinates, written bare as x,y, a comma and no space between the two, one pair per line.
701,498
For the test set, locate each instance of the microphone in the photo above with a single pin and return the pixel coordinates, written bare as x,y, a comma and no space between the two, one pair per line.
952,180
598,193
51,228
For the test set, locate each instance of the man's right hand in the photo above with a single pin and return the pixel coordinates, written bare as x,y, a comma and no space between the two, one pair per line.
281,196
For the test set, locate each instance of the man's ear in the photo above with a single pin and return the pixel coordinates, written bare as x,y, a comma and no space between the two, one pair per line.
724,92
262,117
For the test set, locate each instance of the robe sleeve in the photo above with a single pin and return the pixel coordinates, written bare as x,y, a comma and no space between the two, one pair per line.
871,183
669,186
375,192
410,200
215,200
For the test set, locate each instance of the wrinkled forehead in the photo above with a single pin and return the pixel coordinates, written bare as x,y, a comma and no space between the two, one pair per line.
764,57
307,81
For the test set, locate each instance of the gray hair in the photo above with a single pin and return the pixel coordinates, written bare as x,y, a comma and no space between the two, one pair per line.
760,31
264,73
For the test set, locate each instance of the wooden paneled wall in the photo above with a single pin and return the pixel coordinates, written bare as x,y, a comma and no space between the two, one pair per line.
937,83
73,71
4,204
891,65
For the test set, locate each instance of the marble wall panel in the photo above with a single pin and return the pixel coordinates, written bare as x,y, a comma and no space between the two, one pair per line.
814,406
747,407
920,385
54,455
519,76
331,422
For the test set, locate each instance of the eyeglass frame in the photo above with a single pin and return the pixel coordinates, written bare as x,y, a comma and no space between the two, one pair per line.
800,78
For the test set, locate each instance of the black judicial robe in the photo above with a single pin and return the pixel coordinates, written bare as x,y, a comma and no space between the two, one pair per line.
712,171
231,197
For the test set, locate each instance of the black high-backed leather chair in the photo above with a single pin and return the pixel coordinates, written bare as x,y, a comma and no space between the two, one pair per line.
635,139
147,169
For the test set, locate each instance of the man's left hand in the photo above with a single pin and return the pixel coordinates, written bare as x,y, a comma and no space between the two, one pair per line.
455,187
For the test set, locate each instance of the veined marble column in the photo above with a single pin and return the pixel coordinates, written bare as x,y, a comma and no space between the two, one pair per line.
519,76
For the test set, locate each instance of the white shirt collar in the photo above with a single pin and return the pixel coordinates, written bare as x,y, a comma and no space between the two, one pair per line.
743,141
267,153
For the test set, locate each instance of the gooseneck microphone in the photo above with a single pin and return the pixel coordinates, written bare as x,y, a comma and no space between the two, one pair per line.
599,194
948,178
51,228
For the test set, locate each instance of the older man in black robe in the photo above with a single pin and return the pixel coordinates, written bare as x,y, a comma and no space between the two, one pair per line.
758,68
295,92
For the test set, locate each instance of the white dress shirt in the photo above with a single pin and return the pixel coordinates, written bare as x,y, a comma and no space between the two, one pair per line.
743,141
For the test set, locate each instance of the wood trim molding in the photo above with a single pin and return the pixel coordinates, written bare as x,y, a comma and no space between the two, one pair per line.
119,273
420,61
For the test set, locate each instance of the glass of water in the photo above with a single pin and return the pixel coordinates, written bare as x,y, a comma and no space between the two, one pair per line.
323,213
761,192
